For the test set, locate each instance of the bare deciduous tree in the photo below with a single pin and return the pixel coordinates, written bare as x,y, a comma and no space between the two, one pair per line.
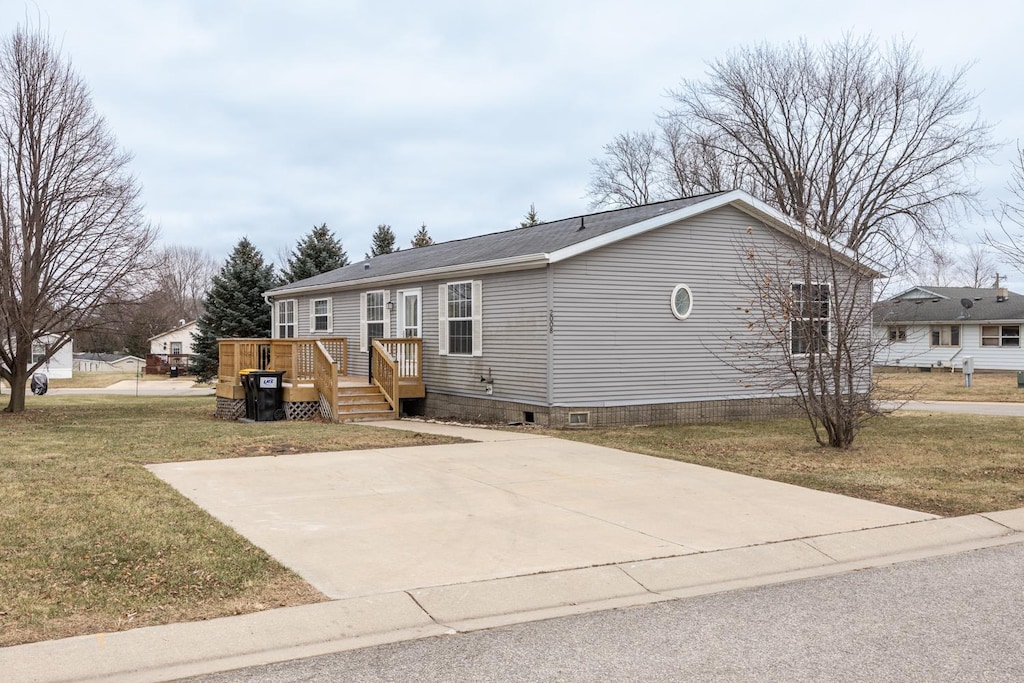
181,278
630,173
858,142
1011,219
977,267
809,330
72,233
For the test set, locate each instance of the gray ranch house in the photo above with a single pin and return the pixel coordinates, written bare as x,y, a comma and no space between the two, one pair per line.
618,317
937,327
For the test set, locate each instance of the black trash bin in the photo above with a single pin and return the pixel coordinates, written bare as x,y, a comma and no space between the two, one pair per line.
268,395
174,371
245,376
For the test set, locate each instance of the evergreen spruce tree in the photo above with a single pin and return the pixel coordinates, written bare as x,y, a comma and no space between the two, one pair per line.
530,218
234,306
318,252
383,241
422,238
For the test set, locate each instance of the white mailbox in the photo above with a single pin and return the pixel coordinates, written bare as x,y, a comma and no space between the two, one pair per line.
968,365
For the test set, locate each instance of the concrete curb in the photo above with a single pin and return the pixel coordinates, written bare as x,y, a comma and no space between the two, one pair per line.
161,653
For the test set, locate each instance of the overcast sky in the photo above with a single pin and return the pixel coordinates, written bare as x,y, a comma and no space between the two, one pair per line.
266,118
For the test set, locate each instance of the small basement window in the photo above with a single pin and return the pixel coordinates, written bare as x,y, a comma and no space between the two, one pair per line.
579,419
528,417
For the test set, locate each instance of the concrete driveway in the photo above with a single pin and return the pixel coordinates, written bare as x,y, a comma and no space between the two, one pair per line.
363,523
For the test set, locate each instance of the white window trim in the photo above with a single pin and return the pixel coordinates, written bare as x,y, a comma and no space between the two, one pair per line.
313,315
797,317
277,319
364,335
672,302
476,318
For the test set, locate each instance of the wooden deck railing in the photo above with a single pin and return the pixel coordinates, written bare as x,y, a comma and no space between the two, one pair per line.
407,352
325,378
296,357
385,373
235,355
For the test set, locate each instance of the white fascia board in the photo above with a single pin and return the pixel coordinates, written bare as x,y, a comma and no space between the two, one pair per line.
737,198
461,270
918,288
645,226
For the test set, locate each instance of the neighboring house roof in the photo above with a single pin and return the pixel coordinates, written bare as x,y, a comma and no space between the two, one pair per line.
943,304
537,245
106,357
173,330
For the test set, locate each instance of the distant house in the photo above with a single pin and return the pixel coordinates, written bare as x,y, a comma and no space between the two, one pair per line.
616,317
173,348
937,327
61,363
108,362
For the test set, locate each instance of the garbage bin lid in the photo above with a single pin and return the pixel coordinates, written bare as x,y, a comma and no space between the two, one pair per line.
246,371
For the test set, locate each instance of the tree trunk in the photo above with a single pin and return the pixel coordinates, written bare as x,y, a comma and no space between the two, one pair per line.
19,382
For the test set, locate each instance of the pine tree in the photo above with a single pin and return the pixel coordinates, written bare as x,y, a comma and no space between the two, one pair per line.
234,306
318,252
422,238
530,218
383,241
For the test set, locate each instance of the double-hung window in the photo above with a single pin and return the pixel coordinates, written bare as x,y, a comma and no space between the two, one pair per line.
460,324
320,315
286,319
374,321
810,317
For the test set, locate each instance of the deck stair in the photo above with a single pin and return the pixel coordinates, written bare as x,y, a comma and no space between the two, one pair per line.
362,402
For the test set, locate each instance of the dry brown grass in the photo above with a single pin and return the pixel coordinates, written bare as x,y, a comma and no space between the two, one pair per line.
98,380
91,541
943,464
943,385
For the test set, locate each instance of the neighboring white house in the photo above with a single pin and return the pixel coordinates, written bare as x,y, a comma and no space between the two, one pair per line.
937,327
175,347
108,362
60,365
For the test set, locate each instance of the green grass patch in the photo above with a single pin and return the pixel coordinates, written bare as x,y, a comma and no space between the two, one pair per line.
946,465
91,541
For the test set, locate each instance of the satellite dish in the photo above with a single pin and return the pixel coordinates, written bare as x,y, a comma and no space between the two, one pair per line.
966,303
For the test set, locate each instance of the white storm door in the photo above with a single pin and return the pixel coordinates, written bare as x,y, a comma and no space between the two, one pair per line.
410,322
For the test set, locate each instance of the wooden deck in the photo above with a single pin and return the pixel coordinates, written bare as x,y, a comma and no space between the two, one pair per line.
315,370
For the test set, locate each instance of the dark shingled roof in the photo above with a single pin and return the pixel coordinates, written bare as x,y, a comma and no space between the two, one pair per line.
539,239
916,305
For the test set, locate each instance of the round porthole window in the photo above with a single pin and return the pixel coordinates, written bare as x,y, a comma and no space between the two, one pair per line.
682,302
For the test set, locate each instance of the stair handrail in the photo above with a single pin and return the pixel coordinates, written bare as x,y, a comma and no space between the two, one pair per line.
384,371
325,379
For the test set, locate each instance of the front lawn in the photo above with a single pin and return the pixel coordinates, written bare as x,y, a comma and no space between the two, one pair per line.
90,541
943,385
943,464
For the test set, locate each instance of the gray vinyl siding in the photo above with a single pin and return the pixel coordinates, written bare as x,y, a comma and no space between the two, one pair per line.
616,340
514,319
514,340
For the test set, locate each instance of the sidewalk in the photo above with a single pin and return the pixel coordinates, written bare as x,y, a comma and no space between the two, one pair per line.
615,552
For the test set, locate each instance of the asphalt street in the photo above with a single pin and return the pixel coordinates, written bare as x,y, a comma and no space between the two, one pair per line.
954,618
